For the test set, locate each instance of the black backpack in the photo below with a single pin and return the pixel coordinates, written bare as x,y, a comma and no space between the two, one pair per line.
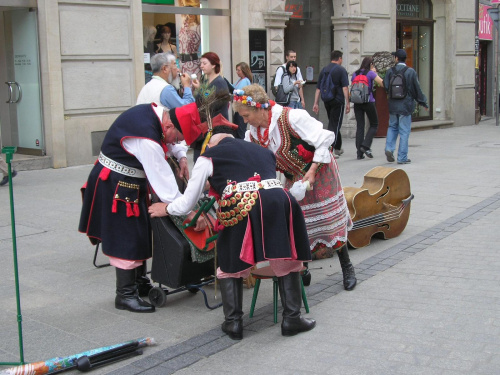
327,88
397,84
274,89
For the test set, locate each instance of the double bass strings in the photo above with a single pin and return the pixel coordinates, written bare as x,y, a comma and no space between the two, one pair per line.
390,215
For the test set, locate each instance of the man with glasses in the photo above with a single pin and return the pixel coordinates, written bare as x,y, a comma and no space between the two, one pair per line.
160,90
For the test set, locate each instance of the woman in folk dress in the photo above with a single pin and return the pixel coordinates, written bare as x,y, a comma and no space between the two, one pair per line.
301,146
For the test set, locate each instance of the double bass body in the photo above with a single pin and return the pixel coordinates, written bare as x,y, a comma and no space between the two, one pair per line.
380,206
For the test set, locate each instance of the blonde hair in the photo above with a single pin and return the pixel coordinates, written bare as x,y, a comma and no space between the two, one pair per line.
258,96
148,33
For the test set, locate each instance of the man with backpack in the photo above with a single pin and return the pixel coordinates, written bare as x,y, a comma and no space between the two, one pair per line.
333,87
403,89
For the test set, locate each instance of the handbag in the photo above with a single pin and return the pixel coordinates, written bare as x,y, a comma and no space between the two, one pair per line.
282,98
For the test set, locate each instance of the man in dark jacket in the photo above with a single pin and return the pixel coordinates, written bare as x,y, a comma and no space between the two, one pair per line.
400,110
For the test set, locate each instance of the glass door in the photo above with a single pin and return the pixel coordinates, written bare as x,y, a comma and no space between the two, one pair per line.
416,40
20,112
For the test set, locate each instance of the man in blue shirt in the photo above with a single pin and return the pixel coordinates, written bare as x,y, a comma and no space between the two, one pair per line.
160,90
400,110
335,107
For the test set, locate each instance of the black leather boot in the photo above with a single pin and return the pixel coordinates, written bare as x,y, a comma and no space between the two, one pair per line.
143,282
347,268
291,299
231,290
127,296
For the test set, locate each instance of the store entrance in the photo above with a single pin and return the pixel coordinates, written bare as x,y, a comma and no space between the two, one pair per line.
20,96
416,40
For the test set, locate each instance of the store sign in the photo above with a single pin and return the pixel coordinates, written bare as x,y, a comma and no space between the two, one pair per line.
485,23
408,8
299,8
495,1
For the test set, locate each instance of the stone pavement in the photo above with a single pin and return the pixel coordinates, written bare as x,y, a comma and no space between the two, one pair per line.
426,301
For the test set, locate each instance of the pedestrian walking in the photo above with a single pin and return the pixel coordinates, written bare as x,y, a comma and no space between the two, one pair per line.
364,142
403,88
333,88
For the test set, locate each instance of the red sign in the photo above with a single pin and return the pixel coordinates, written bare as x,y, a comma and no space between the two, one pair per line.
485,23
495,1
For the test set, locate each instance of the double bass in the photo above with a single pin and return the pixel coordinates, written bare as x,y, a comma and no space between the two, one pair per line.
381,206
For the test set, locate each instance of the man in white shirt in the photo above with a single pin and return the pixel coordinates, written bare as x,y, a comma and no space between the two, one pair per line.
290,55
159,89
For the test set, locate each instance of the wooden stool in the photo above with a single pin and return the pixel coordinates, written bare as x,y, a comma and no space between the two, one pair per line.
267,273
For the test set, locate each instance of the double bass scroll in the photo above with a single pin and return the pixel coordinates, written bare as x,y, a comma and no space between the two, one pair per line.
381,206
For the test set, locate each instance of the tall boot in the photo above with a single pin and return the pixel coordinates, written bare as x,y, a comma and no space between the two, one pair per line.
143,282
291,299
127,296
347,268
231,290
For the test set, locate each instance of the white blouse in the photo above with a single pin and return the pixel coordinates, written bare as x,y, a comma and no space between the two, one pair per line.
308,128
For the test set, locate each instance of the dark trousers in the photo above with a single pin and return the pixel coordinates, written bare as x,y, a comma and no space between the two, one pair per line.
371,112
335,111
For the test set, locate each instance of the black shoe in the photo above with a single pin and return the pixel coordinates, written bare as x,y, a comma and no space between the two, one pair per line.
5,179
291,299
348,272
389,155
127,296
231,290
407,161
366,151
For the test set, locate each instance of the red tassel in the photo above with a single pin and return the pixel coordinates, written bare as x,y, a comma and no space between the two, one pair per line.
136,210
113,208
256,178
130,212
218,226
104,174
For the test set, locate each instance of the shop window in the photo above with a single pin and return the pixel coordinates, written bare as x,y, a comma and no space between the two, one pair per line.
195,27
415,36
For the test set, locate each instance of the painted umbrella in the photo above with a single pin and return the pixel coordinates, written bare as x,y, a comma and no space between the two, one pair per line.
82,361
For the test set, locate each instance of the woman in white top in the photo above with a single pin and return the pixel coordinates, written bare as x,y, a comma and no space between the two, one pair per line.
245,78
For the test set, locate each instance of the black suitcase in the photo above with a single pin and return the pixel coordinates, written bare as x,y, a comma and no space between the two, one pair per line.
172,264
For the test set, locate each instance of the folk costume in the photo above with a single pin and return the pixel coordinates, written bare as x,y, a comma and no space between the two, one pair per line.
115,197
297,140
259,221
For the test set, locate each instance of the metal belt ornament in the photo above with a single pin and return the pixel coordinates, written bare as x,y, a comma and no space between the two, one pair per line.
239,199
120,168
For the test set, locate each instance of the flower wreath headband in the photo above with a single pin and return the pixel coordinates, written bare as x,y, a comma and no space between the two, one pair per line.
239,96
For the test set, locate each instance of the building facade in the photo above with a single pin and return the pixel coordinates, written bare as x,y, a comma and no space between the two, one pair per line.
73,66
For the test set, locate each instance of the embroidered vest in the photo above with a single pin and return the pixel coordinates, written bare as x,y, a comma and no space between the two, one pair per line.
294,156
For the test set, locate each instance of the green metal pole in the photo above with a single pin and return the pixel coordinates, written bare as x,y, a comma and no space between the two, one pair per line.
9,152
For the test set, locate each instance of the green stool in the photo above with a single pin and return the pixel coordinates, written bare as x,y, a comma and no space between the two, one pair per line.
267,273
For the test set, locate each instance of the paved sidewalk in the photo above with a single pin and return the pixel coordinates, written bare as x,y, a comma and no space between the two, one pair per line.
426,301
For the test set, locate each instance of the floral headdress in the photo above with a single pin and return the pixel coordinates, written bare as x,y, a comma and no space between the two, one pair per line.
239,96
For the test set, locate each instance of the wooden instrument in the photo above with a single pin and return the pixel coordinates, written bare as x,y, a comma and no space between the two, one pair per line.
381,206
